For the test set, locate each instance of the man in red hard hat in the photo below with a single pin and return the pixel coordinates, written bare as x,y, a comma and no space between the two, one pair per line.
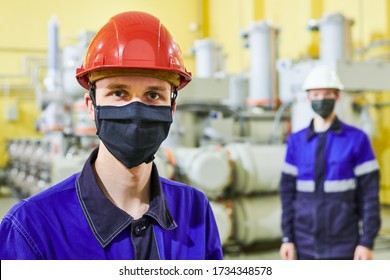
118,207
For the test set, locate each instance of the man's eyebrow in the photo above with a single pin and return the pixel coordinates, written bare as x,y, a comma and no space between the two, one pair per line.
157,88
122,86
116,86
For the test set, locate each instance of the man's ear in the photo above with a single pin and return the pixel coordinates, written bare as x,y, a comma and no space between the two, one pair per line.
89,106
337,95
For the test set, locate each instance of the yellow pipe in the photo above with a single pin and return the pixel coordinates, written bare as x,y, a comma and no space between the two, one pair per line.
205,18
258,10
388,18
316,11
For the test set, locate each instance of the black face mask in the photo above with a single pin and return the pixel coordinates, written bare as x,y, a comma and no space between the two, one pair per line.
323,107
133,133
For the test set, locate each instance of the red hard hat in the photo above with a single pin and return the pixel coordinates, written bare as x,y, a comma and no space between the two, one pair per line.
135,40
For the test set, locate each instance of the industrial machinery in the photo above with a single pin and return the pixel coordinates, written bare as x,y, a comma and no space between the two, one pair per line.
229,131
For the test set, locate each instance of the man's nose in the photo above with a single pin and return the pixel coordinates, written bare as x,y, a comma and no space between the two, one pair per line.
135,98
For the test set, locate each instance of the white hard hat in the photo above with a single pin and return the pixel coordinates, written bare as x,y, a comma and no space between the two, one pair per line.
322,76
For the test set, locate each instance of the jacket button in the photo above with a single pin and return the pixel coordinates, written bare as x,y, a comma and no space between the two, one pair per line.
139,229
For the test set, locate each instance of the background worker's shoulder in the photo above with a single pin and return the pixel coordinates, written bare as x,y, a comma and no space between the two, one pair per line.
299,135
353,131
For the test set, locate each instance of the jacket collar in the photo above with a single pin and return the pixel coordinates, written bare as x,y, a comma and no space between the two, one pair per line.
107,220
336,127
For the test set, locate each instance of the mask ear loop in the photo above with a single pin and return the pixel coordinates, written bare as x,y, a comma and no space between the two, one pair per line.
173,96
92,95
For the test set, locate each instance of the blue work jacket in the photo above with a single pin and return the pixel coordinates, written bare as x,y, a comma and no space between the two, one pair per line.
74,220
329,185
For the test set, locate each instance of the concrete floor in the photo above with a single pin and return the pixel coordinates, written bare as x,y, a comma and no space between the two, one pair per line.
382,245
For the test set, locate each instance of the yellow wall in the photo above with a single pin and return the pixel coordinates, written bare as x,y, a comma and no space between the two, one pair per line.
27,113
23,23
371,22
381,144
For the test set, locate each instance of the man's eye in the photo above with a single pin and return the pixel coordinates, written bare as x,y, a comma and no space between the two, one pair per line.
154,95
118,93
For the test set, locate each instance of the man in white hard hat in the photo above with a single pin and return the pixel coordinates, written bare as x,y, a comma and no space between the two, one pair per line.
330,182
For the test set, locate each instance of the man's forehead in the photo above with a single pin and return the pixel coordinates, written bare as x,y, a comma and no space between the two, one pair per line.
323,91
133,81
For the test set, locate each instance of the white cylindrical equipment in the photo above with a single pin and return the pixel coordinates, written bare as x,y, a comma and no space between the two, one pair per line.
53,50
164,162
185,130
52,80
207,168
206,58
238,92
262,81
257,167
257,219
223,219
72,57
335,37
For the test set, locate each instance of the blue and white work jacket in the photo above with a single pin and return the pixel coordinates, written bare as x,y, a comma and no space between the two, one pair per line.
329,184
